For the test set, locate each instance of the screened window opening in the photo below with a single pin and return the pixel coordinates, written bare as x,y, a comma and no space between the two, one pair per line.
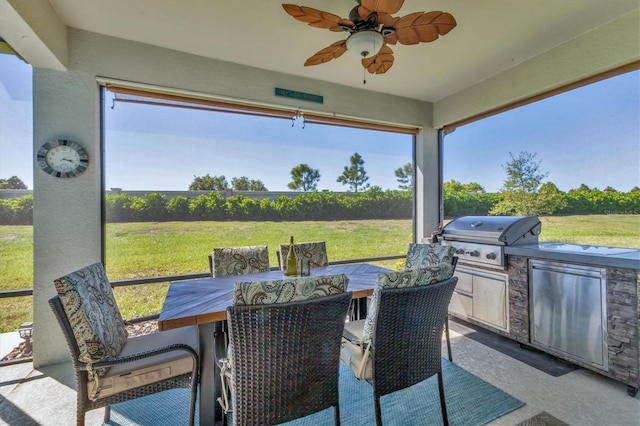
184,177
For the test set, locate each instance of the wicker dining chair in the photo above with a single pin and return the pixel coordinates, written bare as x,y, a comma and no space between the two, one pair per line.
313,254
109,366
429,255
284,349
399,344
225,261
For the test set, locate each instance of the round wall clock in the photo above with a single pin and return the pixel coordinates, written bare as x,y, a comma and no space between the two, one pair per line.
62,158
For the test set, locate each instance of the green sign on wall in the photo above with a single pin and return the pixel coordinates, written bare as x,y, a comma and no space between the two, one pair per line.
299,95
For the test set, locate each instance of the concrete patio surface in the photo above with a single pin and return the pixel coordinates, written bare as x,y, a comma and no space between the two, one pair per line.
578,398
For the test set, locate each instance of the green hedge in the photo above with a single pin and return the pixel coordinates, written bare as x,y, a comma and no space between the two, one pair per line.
579,201
463,203
371,204
16,211
594,201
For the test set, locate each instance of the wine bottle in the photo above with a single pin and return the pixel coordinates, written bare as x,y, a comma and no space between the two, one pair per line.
292,262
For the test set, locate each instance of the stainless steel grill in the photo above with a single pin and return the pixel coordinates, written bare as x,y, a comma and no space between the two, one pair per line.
480,240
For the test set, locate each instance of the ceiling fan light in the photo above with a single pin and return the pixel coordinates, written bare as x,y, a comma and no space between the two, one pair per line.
365,44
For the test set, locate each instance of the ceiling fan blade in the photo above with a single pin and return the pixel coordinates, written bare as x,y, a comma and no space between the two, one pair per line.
382,6
328,53
387,20
423,27
317,18
388,23
380,63
391,38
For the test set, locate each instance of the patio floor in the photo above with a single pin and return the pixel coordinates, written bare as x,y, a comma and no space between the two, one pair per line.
580,397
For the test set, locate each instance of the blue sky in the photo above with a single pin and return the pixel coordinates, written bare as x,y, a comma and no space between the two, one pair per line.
16,129
590,135
180,143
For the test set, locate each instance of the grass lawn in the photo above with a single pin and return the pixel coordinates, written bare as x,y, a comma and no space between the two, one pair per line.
153,249
596,230
169,248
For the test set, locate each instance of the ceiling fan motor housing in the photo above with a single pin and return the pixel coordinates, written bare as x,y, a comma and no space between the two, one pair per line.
360,23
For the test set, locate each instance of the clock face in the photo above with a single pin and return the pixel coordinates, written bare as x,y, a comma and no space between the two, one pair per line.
62,158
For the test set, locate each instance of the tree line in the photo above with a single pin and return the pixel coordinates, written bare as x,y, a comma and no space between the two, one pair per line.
303,178
374,203
523,193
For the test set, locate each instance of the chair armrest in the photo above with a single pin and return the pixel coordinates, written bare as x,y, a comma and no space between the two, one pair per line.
355,340
142,355
351,337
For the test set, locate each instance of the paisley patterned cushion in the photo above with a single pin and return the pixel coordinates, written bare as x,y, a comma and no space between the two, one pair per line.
92,311
240,260
286,290
293,289
425,255
315,253
402,279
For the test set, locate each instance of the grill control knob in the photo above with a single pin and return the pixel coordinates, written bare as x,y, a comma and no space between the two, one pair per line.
474,253
459,251
491,256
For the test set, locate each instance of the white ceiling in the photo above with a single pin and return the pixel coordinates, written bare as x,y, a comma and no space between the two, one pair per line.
491,36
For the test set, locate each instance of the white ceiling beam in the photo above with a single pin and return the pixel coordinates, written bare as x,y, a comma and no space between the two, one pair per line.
34,31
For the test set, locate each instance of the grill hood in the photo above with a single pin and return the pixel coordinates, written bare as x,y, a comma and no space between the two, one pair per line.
500,230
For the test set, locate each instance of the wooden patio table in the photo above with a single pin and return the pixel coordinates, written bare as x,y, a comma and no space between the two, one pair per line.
203,302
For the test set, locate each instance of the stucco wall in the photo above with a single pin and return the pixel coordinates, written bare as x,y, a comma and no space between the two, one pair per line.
67,225
66,212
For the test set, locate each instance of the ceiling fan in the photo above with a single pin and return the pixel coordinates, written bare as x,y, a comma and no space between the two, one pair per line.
371,29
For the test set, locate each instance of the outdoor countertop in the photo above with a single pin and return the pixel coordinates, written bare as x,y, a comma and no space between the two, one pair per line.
619,257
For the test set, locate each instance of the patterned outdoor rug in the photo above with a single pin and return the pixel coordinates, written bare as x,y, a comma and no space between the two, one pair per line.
542,419
470,401
544,362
